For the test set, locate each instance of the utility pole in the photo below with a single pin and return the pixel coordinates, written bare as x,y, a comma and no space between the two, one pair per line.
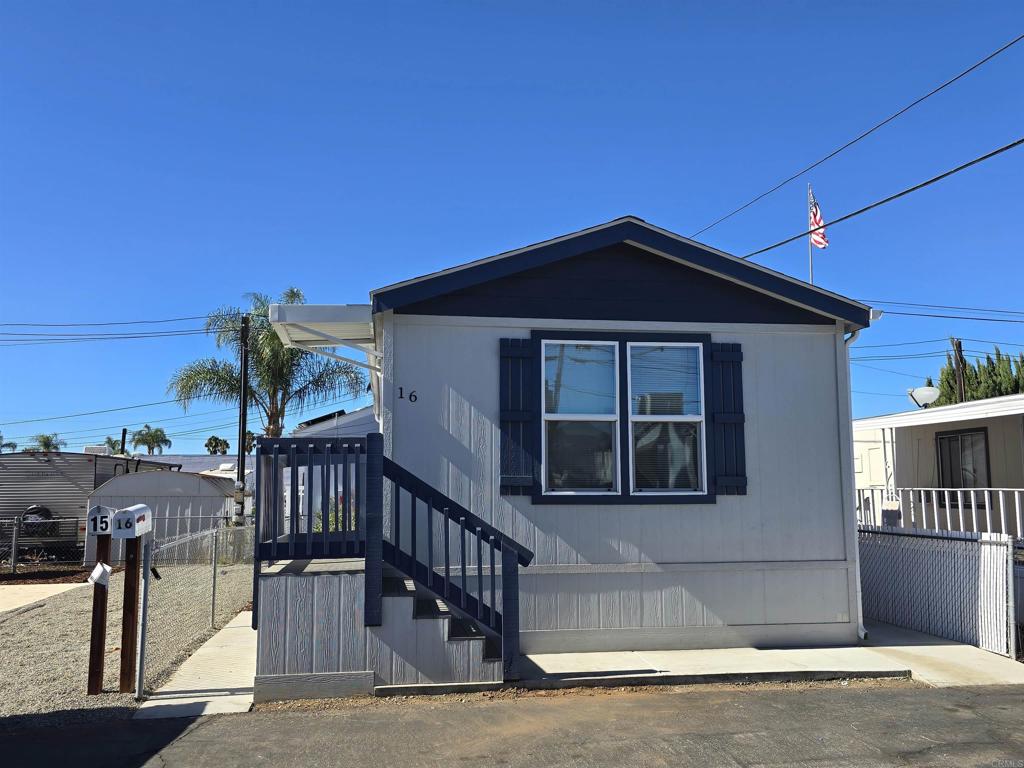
958,368
243,408
124,438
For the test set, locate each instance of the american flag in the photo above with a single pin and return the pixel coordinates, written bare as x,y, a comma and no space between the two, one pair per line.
814,220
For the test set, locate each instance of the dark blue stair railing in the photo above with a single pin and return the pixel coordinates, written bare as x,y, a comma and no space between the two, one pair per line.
324,498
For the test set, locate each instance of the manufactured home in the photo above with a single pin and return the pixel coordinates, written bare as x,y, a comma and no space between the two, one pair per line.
954,467
617,439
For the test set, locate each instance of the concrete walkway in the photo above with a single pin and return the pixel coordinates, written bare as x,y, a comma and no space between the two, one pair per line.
217,679
892,652
14,596
939,662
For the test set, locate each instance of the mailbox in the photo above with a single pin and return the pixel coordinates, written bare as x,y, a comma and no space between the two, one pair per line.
132,522
98,521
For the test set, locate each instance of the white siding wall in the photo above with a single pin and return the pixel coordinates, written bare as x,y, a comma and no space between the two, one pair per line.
779,558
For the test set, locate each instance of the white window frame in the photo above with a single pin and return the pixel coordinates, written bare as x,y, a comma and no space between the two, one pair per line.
700,420
546,417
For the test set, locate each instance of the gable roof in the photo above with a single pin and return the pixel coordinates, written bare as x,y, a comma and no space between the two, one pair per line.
636,232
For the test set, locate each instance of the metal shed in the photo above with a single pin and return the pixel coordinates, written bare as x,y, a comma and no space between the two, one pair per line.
181,502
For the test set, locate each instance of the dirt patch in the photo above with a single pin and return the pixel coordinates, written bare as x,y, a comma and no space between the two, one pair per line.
49,574
513,694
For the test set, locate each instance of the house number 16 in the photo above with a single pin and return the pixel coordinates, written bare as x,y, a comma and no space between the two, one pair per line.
411,397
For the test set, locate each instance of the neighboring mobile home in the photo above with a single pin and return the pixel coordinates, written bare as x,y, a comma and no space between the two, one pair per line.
656,433
955,467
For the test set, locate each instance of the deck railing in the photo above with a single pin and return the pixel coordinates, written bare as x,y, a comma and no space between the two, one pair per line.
456,555
985,510
326,498
311,498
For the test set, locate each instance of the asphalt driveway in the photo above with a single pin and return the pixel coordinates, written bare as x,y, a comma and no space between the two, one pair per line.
811,725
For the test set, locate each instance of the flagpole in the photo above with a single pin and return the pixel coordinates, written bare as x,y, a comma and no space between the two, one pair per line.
810,251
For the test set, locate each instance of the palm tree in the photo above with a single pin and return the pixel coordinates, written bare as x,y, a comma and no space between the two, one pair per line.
279,377
215,445
153,438
113,444
7,445
50,443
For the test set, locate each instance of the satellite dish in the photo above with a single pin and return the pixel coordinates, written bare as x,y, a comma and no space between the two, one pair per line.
922,396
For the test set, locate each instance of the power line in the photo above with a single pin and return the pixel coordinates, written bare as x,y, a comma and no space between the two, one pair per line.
975,353
889,370
945,306
937,341
91,413
120,322
900,343
864,135
879,394
959,317
28,335
101,431
898,195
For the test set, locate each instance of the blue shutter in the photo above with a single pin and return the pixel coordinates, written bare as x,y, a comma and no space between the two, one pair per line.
730,463
519,383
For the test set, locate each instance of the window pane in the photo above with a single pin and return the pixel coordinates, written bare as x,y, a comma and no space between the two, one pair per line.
949,467
972,458
579,378
665,381
666,456
580,455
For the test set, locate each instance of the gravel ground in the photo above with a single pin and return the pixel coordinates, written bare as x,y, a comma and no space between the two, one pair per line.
44,647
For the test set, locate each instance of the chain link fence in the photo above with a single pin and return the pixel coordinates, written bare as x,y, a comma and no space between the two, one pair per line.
951,584
199,583
32,546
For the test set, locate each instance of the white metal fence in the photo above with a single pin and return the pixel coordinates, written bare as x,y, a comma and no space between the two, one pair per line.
954,585
988,510
201,582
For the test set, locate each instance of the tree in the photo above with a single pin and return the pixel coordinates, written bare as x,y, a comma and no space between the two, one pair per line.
995,376
7,445
151,438
279,377
250,441
113,444
50,443
215,445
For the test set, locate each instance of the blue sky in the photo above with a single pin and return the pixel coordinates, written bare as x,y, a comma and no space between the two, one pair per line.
160,160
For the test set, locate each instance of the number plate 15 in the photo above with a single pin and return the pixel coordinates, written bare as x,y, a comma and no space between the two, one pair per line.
98,522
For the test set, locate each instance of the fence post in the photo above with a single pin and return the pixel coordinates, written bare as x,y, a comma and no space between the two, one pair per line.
14,544
260,500
372,609
509,612
213,597
147,565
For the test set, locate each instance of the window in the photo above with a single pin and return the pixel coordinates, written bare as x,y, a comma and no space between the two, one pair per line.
623,418
666,417
581,417
963,459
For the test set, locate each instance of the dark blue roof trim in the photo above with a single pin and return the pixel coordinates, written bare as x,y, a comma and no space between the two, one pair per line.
627,230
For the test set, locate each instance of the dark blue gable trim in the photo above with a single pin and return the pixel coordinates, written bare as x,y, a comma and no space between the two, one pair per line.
629,230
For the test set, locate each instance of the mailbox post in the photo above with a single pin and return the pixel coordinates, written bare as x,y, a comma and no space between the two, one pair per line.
98,525
130,524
